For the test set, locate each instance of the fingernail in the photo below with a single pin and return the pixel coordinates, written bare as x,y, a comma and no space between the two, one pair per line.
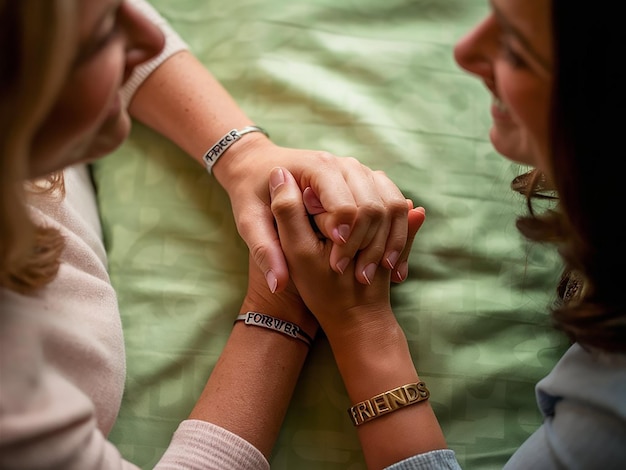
341,233
271,280
403,271
277,177
392,259
312,202
342,264
369,272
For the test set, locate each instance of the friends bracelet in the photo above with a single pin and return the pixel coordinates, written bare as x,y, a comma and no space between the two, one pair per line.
214,153
387,402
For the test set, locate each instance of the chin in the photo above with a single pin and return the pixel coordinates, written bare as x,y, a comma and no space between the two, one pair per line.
107,140
55,154
110,136
509,146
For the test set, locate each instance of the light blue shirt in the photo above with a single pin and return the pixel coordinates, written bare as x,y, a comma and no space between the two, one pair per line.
583,401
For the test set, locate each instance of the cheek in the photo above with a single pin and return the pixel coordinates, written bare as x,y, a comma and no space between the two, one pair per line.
83,105
528,100
86,99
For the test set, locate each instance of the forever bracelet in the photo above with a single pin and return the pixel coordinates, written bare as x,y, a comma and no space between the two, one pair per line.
388,402
282,326
214,153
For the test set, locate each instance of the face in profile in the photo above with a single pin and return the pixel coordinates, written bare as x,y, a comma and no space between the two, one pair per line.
511,51
88,119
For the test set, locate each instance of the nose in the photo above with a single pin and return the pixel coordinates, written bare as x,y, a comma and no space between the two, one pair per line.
144,40
476,50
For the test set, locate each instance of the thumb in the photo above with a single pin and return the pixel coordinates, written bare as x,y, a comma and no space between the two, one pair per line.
287,205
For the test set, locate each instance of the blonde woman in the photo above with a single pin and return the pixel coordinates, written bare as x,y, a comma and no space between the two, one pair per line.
70,72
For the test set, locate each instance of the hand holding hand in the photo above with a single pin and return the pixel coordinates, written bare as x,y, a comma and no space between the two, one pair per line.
336,300
286,305
360,210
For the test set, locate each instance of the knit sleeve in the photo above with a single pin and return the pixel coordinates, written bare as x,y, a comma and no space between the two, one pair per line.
173,44
199,444
46,421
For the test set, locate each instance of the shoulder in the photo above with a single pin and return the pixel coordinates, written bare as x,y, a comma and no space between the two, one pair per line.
595,379
584,410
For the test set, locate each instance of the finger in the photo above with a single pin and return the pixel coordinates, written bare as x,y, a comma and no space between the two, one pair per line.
369,211
380,230
416,218
390,236
312,202
261,237
297,236
335,200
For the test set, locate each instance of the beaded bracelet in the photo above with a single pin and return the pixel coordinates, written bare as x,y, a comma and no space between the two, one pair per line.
388,402
214,153
282,326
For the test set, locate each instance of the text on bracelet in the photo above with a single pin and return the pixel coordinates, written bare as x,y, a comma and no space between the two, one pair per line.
220,147
387,402
260,319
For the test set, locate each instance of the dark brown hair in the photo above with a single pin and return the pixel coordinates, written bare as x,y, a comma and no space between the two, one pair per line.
588,85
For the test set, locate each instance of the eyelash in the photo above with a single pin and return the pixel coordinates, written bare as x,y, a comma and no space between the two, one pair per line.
510,55
112,34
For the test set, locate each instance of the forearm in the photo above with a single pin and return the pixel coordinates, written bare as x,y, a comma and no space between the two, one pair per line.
379,362
250,388
184,102
251,385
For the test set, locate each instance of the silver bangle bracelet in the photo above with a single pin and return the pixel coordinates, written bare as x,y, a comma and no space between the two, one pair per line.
217,150
282,326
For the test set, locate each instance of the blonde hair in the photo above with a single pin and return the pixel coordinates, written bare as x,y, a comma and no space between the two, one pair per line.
42,35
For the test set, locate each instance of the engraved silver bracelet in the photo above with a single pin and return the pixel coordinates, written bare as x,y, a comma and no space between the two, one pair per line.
282,326
214,153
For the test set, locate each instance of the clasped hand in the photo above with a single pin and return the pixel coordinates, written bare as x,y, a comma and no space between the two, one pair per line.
326,293
361,212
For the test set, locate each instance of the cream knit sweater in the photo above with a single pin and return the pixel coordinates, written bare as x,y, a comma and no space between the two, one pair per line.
62,366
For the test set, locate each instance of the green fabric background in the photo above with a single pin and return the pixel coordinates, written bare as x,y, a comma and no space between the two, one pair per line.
373,79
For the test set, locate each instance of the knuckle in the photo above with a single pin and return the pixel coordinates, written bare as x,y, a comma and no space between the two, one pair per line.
373,210
245,225
376,249
324,158
285,207
353,162
380,174
346,211
398,208
259,253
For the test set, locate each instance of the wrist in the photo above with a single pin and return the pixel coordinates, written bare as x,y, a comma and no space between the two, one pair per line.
373,358
238,161
282,307
225,142
361,328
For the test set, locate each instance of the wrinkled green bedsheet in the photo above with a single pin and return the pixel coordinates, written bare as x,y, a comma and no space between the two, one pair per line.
373,79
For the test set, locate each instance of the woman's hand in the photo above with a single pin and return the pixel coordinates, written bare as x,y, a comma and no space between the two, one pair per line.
364,219
286,305
336,300
361,212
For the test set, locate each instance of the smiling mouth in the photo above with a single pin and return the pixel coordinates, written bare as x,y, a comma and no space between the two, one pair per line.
499,110
499,105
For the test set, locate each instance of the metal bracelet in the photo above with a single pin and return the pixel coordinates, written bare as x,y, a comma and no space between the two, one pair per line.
388,402
282,326
214,153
